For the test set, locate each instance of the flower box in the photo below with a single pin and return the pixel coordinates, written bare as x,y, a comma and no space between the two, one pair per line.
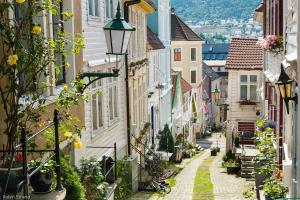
247,102
273,43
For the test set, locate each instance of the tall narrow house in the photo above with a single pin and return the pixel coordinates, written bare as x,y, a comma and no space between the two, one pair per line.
186,58
160,84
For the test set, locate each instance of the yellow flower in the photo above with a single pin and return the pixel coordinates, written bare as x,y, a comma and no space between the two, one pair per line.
77,145
36,29
12,59
68,134
65,87
76,139
67,65
20,1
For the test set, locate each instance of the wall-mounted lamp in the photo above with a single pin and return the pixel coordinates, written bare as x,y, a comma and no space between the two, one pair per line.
217,94
285,85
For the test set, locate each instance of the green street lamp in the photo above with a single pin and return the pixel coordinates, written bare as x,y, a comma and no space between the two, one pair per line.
217,94
117,34
285,85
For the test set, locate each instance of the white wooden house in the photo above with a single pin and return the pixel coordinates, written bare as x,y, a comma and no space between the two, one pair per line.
244,65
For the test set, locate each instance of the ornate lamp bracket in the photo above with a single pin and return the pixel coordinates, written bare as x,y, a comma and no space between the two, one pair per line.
95,76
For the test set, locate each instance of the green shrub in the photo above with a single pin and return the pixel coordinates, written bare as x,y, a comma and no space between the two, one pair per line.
92,179
229,156
123,190
71,181
166,142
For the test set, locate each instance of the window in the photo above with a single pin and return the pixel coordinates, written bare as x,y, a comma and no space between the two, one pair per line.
248,87
109,11
113,98
97,111
193,54
59,63
97,104
177,54
94,8
193,76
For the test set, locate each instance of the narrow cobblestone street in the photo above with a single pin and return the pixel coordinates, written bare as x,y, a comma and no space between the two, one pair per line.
226,187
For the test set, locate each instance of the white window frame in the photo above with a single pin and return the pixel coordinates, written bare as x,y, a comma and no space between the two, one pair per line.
191,54
97,89
93,14
248,84
109,7
112,85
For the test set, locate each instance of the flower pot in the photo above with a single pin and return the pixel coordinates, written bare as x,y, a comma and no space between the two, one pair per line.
233,170
41,182
213,153
14,179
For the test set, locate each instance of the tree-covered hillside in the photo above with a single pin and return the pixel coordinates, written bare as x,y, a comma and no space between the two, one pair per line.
202,10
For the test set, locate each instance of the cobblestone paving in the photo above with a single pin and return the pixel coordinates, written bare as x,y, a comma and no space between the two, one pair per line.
226,187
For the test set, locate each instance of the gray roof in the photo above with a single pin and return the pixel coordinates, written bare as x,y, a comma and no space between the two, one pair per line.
208,71
215,51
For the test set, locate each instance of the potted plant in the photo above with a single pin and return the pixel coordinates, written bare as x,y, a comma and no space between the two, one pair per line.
25,78
15,176
232,167
41,181
274,189
213,151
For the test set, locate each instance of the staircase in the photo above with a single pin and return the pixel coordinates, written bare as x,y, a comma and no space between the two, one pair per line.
247,167
148,162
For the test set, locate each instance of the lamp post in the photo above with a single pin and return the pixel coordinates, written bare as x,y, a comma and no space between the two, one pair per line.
217,94
117,36
285,85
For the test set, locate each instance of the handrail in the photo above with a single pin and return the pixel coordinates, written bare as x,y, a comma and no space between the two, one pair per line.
114,166
23,145
145,146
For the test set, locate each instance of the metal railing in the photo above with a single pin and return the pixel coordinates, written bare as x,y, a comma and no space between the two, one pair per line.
22,147
113,168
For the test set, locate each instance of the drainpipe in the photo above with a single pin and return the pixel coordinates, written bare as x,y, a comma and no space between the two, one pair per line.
126,17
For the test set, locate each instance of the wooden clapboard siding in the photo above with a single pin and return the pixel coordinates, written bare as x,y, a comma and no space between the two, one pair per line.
236,112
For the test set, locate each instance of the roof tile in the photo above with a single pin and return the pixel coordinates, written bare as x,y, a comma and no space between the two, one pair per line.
244,54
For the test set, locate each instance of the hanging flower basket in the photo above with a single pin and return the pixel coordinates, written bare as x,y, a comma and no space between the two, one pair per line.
273,43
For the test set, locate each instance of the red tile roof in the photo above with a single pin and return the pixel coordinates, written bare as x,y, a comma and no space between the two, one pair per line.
153,40
244,54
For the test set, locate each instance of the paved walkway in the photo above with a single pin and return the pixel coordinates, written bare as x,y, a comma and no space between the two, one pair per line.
226,187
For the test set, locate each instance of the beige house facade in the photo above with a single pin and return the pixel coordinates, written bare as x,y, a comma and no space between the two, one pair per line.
186,58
